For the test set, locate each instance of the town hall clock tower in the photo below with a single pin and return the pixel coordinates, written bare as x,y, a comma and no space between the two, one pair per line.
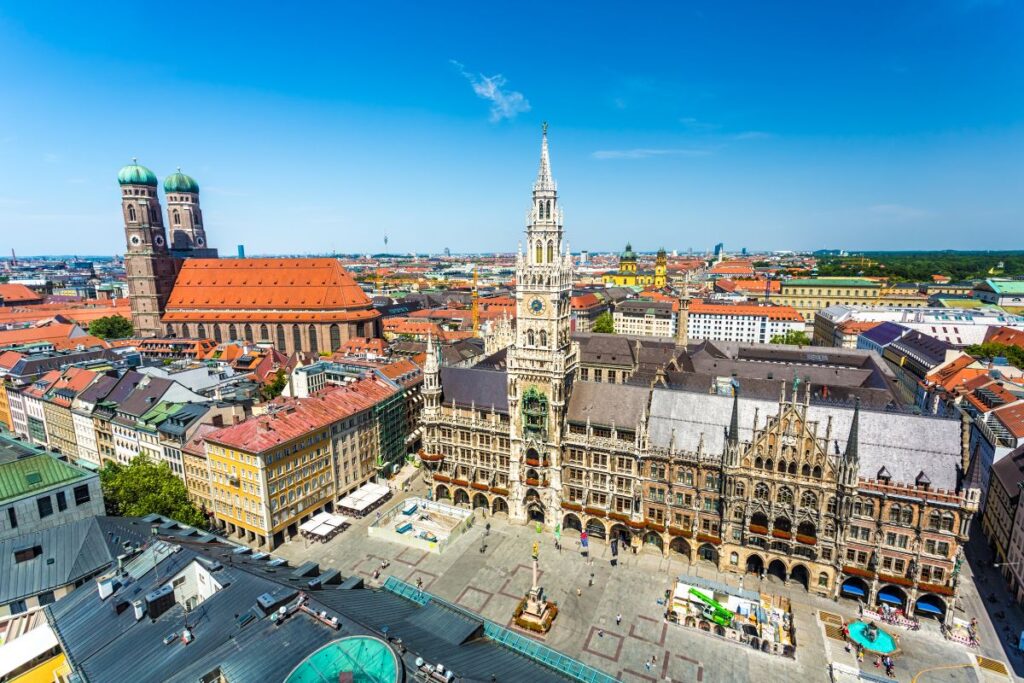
543,358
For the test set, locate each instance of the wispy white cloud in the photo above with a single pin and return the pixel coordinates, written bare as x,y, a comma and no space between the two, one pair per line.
753,135
898,212
647,153
505,104
698,126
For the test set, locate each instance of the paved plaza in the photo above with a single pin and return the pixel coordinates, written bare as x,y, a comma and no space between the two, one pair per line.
493,581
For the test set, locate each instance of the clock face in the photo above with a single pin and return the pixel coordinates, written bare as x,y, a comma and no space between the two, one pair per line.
536,305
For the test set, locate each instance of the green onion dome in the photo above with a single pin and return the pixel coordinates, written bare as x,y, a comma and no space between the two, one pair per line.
134,174
179,182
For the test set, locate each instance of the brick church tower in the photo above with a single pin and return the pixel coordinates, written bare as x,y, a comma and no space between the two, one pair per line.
149,266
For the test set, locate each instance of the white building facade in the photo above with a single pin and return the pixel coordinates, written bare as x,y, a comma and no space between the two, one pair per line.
741,323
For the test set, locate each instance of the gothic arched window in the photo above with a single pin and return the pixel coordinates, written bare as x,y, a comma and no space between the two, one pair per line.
785,496
335,337
894,514
540,252
544,338
132,216
296,338
314,344
176,217
201,331
761,492
782,466
809,500
907,515
248,332
741,490
792,468
232,332
551,251
264,333
805,470
529,338
817,472
216,333
280,339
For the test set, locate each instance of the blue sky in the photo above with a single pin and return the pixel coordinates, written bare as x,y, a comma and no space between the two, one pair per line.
862,125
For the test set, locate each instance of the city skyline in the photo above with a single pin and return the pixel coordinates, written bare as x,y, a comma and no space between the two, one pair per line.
905,125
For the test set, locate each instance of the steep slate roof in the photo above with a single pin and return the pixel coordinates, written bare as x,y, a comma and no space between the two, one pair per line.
885,333
98,390
27,475
607,404
266,283
904,443
482,388
77,549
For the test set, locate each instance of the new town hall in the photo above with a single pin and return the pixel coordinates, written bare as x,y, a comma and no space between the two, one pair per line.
866,504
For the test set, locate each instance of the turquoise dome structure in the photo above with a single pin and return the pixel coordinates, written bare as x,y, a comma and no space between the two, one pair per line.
629,254
179,182
135,174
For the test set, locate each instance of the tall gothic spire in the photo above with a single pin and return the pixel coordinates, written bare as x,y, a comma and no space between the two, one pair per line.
544,180
851,442
734,422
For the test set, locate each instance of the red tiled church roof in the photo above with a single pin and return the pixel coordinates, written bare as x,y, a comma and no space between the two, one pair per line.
314,284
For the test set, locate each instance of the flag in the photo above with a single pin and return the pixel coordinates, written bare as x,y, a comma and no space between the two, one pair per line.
584,541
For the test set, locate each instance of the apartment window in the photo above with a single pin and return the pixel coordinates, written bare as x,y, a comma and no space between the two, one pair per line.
45,506
47,598
12,517
62,501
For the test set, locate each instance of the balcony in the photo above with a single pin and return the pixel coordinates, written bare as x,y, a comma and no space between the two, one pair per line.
806,540
479,485
857,571
441,477
779,533
431,457
708,538
500,490
575,507
530,481
679,531
595,511
758,529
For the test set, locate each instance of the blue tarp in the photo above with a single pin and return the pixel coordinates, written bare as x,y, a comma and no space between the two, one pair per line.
891,598
853,589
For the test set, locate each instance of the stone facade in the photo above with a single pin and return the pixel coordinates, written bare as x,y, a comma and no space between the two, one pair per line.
848,502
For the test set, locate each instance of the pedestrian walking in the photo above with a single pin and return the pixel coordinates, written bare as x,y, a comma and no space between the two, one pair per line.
618,619
647,665
600,633
591,581
579,592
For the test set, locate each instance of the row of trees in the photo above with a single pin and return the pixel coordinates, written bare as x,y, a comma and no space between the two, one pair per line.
1013,354
920,266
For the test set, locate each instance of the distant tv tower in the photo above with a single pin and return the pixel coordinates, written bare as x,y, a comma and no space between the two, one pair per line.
14,258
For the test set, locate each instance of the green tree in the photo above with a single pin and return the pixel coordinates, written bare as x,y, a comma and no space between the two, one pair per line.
274,387
111,327
792,337
604,323
144,487
1013,354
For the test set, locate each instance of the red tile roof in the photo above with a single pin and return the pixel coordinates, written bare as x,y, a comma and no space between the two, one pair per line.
308,284
296,417
1012,416
14,293
1005,335
770,312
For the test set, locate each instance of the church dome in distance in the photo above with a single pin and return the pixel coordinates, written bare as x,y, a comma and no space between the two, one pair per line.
179,182
629,255
135,174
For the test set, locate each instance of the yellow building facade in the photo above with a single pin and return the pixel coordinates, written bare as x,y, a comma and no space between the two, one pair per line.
628,276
